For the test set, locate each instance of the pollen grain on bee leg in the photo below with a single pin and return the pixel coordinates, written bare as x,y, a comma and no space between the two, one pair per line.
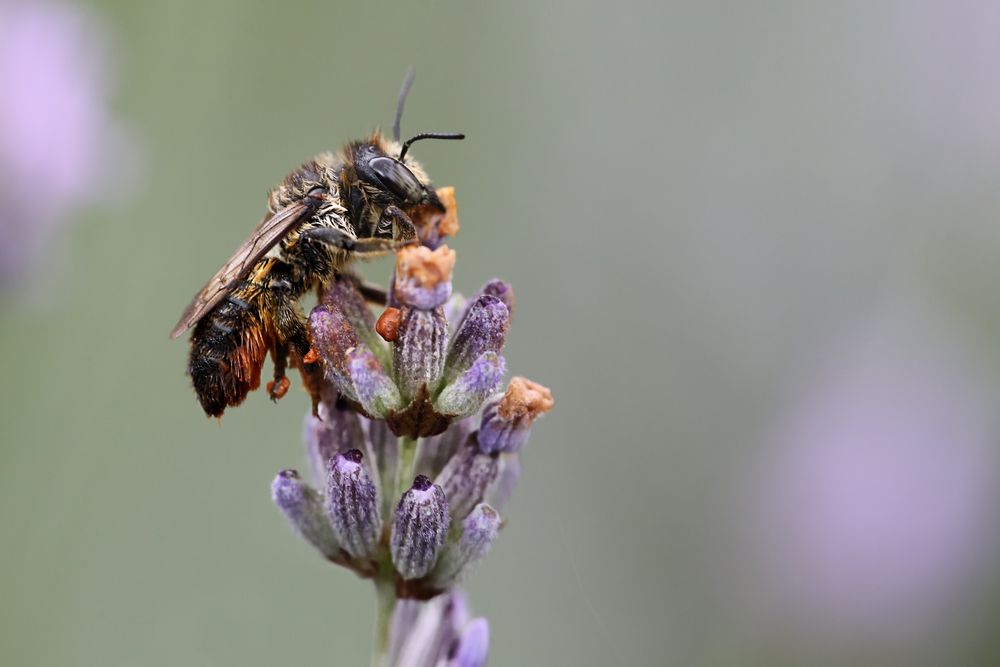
279,391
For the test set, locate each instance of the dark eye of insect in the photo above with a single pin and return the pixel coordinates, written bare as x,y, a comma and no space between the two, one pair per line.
397,178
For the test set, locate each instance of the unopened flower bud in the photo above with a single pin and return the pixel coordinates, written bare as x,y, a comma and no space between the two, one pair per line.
429,637
466,477
353,505
333,336
303,507
473,646
495,287
344,295
466,393
335,430
374,389
418,352
479,531
507,419
508,474
419,528
483,329
423,276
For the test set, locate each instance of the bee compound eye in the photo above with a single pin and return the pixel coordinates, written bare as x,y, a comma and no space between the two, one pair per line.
397,178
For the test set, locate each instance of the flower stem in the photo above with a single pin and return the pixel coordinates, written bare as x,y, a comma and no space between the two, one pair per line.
407,460
385,602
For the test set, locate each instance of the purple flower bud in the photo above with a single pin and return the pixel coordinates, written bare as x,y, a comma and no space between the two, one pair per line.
507,419
333,336
419,528
303,507
472,647
499,492
404,619
436,629
501,290
336,430
352,504
466,393
343,295
435,451
479,531
466,477
374,390
482,330
495,287
418,352
423,276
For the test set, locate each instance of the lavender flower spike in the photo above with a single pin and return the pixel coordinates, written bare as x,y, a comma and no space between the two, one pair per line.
415,394
479,531
353,505
419,528
473,646
303,507
463,397
507,419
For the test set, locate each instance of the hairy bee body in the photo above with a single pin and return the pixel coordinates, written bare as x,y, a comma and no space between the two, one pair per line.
333,208
261,314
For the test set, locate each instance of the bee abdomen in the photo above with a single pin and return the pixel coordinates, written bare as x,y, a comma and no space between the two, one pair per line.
228,348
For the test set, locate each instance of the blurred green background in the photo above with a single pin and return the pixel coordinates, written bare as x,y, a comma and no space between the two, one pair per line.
755,253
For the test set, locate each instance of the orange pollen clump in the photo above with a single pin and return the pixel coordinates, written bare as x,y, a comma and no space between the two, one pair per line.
427,268
525,399
388,324
448,225
312,356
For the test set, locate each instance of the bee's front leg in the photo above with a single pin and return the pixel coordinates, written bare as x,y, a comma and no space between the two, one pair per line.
393,215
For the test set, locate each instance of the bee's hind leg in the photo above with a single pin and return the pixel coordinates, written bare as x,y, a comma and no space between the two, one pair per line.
291,340
278,387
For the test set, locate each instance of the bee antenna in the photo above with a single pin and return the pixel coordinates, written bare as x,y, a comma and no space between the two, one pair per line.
411,74
428,135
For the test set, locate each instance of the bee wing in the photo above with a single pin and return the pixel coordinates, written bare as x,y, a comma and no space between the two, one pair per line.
270,230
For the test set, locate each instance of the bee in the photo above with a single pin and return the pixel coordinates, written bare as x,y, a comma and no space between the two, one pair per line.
334,208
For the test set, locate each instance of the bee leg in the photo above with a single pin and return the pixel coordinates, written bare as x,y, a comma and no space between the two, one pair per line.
373,293
393,214
361,247
311,372
279,386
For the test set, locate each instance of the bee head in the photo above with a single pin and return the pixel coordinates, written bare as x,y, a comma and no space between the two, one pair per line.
410,186
406,182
